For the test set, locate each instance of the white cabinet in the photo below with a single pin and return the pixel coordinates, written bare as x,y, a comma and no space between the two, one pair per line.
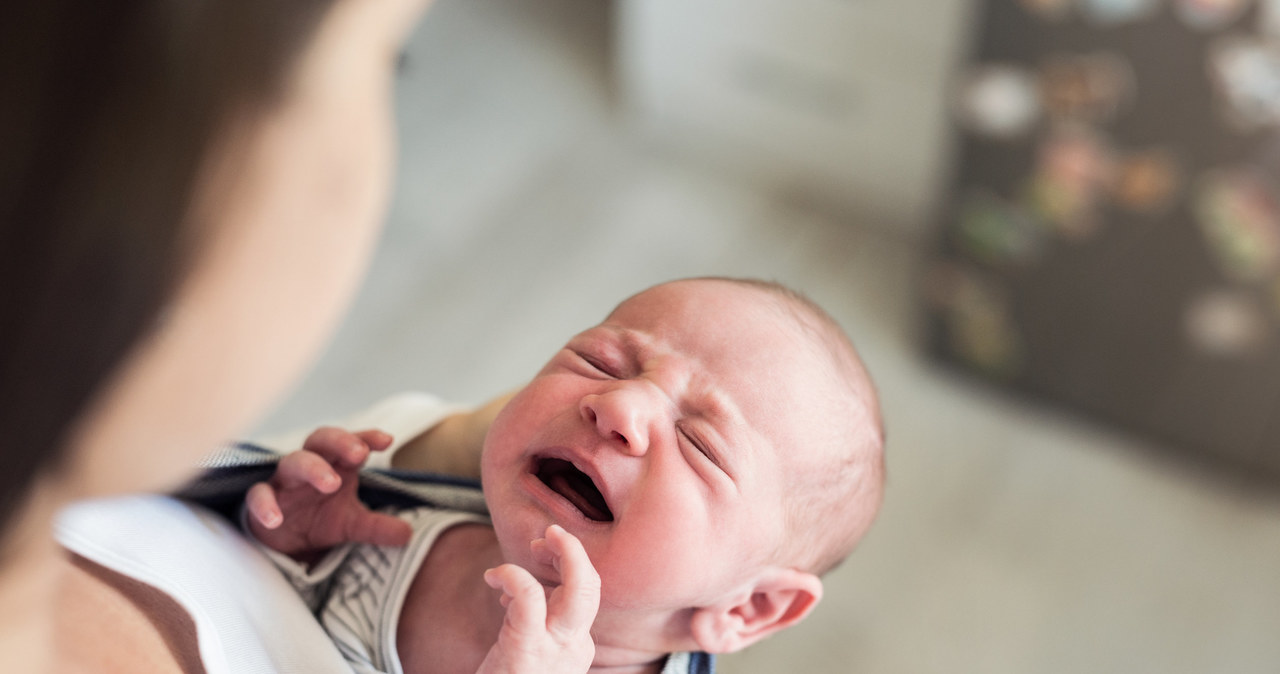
839,100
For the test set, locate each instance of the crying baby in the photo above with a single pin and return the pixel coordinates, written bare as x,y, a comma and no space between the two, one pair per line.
675,481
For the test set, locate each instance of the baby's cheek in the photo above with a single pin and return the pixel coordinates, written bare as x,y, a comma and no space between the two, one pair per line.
635,581
654,566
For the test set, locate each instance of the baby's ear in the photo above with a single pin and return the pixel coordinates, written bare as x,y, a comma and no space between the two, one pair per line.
779,599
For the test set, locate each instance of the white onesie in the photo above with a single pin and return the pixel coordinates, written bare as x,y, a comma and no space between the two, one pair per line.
359,590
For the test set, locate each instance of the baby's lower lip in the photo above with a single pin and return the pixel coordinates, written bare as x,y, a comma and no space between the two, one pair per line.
570,482
560,508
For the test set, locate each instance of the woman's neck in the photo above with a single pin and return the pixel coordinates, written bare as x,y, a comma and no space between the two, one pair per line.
29,575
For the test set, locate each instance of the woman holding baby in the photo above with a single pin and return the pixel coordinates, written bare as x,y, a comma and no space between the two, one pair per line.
175,176
189,191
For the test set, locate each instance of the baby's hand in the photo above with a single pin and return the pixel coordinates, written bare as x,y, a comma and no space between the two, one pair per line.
310,504
546,632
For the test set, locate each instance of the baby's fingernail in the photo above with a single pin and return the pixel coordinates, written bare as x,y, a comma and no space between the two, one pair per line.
272,520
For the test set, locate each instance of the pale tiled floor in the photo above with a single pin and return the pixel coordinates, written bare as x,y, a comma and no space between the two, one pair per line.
1014,539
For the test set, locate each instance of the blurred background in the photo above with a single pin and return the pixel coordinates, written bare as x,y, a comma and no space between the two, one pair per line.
1049,225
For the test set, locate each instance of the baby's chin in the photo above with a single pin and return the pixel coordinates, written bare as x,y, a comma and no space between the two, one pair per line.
516,546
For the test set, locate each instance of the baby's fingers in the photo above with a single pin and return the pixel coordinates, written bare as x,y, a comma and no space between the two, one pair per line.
378,529
523,596
263,508
574,604
306,469
375,439
261,505
343,448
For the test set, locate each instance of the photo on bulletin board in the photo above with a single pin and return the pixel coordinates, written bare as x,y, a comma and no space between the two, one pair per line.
1110,240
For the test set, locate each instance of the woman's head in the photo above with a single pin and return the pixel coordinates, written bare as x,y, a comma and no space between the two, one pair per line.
187,193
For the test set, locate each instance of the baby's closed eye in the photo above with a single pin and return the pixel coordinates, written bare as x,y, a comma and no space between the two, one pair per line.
699,444
599,365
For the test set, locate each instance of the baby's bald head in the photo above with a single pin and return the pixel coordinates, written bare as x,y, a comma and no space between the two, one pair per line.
834,487
836,494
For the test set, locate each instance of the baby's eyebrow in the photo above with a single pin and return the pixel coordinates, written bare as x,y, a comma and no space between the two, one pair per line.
711,404
635,344
715,406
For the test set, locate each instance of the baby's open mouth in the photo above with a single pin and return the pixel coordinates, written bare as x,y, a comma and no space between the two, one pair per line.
566,480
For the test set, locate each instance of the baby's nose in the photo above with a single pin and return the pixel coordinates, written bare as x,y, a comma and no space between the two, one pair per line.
619,417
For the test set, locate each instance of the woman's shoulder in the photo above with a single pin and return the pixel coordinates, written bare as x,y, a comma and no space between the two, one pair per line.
106,621
177,570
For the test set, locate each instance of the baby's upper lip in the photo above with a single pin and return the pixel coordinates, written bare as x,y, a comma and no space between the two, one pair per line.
580,460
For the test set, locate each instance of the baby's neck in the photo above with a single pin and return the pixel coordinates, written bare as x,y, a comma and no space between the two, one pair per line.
451,618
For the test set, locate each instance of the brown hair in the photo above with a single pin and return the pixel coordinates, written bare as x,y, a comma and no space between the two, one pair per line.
111,112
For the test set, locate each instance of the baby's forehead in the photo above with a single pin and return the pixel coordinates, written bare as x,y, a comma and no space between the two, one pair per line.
697,292
765,374
740,330
707,307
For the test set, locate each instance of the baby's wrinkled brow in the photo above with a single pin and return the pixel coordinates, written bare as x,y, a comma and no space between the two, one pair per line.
634,343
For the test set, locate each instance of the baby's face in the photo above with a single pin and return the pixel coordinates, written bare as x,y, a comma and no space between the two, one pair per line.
662,439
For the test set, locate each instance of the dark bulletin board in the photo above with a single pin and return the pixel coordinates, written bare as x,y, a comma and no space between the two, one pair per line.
1111,240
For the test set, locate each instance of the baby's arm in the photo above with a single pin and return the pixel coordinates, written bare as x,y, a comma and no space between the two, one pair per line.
546,631
310,505
453,446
